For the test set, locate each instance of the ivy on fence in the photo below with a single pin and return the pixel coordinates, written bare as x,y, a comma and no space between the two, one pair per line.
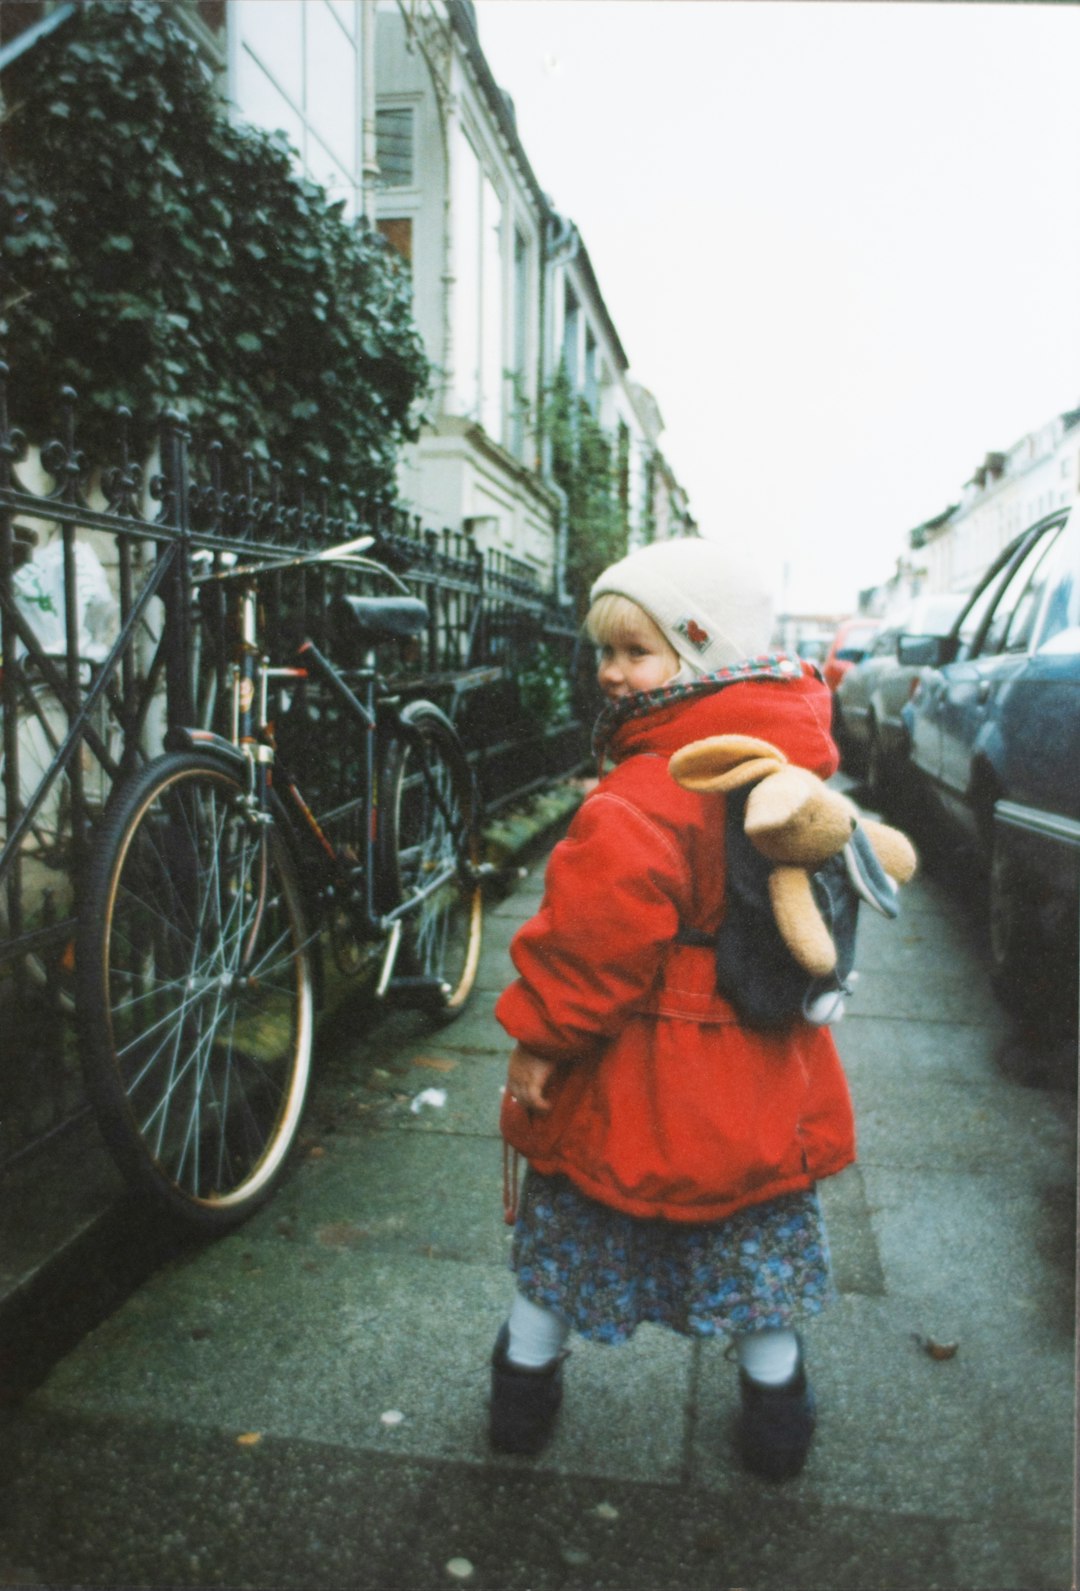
157,254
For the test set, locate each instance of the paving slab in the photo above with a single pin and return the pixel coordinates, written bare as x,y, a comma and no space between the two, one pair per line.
300,1347
856,1262
87,1508
907,1051
970,1126
980,1254
401,1191
904,1433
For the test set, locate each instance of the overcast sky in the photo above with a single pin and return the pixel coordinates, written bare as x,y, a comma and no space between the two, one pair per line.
840,243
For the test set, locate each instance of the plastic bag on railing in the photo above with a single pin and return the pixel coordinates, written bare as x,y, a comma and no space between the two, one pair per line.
39,594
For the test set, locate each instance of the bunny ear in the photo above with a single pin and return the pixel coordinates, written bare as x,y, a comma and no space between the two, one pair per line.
724,762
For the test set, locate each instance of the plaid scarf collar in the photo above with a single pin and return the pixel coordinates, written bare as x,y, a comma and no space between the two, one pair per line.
774,666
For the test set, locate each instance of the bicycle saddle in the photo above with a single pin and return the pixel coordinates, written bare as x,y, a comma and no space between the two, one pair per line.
365,621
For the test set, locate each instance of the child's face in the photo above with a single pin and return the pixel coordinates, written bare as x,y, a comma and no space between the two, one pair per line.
637,659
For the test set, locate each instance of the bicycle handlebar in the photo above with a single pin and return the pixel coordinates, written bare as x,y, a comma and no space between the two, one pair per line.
345,554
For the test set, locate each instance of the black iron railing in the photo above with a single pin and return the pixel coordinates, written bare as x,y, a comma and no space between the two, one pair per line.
76,715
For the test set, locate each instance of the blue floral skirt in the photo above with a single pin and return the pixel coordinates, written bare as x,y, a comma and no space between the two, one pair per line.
606,1272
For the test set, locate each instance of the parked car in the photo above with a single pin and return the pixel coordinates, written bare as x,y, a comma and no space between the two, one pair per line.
849,646
812,648
994,731
869,698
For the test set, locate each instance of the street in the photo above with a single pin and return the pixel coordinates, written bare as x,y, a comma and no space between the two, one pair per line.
302,1403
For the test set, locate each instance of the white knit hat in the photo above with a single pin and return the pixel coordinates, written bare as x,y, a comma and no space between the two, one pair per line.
709,601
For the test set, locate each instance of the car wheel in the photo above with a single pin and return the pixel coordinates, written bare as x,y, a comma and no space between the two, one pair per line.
1017,968
877,769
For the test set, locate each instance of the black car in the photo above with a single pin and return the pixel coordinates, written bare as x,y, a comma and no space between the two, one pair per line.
994,729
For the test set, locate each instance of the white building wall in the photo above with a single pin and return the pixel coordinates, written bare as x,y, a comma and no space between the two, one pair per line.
476,281
1040,472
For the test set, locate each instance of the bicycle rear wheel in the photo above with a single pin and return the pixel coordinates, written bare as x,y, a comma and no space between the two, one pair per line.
194,991
428,832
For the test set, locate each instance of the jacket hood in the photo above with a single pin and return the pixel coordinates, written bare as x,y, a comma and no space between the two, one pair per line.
793,712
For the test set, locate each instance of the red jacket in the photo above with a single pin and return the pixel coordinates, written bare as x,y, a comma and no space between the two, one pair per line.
662,1104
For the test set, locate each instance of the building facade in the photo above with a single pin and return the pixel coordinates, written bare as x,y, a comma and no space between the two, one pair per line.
505,296
1007,492
391,107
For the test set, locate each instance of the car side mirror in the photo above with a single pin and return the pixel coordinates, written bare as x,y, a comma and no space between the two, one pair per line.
926,651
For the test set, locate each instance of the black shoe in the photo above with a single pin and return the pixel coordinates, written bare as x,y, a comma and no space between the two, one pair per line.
776,1424
524,1402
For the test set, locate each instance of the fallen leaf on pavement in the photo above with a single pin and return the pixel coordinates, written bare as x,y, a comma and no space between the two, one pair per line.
392,1417
434,1063
460,1569
941,1350
936,1350
605,1511
248,1438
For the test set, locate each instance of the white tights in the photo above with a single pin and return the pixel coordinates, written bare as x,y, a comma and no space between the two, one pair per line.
538,1335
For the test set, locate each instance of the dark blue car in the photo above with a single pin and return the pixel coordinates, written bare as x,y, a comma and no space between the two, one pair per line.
994,730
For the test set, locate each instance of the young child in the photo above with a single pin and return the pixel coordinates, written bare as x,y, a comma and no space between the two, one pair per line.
672,1154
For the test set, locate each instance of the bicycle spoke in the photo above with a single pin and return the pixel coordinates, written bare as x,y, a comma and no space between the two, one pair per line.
208,1005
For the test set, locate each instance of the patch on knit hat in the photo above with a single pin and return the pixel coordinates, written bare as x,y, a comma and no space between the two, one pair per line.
691,630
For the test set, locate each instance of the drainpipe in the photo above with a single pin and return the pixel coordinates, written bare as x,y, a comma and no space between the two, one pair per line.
449,277
369,170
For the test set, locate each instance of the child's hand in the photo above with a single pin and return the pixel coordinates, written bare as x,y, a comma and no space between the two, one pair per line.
527,1077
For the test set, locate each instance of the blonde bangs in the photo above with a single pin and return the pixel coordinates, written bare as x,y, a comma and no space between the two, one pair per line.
614,619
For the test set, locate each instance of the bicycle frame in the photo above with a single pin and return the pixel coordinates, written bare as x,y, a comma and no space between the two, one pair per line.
252,739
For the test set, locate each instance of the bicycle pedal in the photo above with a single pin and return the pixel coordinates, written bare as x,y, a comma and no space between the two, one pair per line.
416,991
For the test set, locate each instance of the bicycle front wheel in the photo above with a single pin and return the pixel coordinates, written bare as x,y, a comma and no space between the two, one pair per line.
194,990
428,853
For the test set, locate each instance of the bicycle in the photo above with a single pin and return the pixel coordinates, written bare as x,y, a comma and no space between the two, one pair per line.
210,883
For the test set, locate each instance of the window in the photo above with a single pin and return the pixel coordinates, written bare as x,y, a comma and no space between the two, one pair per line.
571,337
492,363
480,292
397,230
592,385
622,469
297,71
395,147
521,341
1014,610
1059,629
976,611
1022,623
466,224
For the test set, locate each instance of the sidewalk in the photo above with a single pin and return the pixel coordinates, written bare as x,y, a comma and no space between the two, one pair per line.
302,1404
